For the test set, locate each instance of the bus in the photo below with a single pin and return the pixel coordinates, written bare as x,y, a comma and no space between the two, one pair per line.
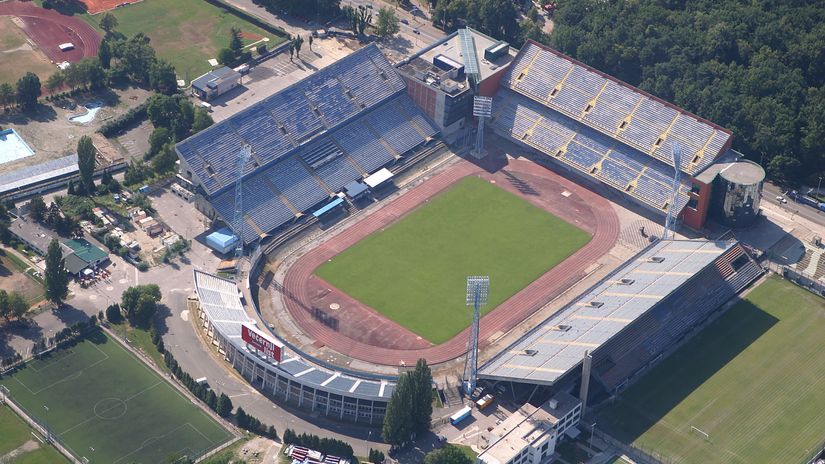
462,414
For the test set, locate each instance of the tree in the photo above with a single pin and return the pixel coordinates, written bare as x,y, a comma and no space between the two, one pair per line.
291,50
162,77
38,208
159,137
137,56
226,57
422,396
447,455
56,277
224,407
235,41
7,95
298,42
140,304
17,305
113,314
359,18
242,418
5,310
202,120
86,164
387,22
375,456
108,23
398,426
55,81
104,54
310,42
784,169
165,160
28,91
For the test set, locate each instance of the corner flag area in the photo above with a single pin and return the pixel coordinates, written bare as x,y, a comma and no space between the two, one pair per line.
107,406
749,388
414,272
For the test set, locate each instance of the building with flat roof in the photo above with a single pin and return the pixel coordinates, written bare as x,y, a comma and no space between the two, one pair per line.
222,240
530,435
32,234
215,83
437,82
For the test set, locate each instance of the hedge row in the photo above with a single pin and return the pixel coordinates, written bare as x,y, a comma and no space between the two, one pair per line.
120,123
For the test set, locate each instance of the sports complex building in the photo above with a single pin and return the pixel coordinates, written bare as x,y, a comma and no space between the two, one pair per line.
363,115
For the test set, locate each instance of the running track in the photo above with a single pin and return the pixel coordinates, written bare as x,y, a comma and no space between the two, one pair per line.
500,320
48,29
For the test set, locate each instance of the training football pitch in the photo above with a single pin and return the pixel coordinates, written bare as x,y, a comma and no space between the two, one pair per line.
753,381
19,445
415,271
109,407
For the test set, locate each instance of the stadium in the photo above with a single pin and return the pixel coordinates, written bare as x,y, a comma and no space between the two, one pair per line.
364,210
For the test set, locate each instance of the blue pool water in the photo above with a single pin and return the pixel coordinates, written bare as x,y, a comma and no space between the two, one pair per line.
13,147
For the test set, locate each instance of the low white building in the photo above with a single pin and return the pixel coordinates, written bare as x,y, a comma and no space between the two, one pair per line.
529,436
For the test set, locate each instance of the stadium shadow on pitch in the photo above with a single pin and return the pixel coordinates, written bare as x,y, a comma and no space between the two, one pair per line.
661,389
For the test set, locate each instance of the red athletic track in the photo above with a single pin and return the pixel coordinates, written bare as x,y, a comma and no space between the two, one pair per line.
48,29
500,320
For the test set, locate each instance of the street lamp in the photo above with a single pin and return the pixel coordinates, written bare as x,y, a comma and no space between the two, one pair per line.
592,430
817,186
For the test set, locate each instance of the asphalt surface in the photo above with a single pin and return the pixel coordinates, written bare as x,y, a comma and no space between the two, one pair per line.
771,191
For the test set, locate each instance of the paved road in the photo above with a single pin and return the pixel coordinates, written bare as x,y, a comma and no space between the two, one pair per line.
771,191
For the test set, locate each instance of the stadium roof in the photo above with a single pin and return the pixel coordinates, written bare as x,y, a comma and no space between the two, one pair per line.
615,108
220,299
557,345
291,117
30,175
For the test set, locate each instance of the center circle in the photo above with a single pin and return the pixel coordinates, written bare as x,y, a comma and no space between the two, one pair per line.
110,408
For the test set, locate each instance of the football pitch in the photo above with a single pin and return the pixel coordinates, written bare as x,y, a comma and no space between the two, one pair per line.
415,271
753,381
107,406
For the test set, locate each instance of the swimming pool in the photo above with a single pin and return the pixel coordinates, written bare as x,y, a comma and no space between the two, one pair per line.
13,147
89,115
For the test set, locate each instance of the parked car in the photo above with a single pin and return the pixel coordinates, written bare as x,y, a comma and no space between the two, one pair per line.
404,21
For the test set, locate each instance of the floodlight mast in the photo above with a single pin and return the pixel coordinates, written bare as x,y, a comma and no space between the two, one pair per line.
478,288
670,220
237,220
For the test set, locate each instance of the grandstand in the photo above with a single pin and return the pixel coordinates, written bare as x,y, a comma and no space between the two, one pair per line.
604,128
295,380
631,316
340,124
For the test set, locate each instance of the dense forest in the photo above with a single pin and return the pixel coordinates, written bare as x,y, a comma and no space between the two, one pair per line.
755,67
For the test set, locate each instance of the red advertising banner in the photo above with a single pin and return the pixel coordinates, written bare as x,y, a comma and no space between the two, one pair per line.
262,342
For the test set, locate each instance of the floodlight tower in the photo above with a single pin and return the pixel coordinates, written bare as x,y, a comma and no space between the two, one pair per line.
478,288
670,221
237,220
482,106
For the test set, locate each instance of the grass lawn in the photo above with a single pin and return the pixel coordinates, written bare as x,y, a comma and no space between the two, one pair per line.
141,340
14,433
184,32
415,271
754,381
108,406
17,58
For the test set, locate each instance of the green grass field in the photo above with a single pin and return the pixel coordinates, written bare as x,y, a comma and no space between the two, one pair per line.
415,271
18,445
753,380
109,407
17,57
184,32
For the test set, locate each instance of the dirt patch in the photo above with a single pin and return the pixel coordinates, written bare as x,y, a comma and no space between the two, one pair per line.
251,36
13,279
27,447
17,56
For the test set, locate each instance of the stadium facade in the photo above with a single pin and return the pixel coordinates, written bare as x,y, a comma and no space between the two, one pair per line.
295,379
